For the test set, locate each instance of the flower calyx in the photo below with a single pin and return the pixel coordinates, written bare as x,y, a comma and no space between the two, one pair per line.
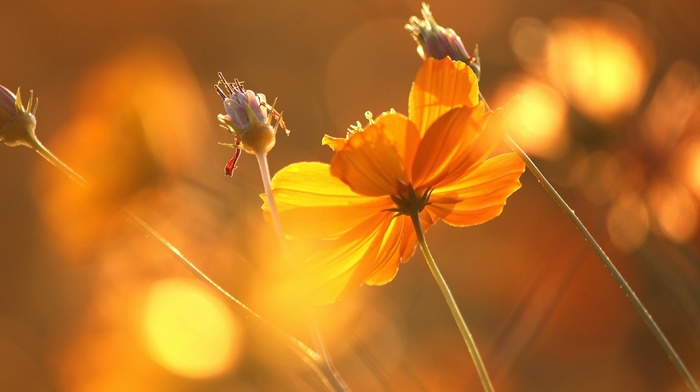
17,123
409,203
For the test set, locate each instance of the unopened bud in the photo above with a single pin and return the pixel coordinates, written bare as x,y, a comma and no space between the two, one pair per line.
438,42
17,123
250,119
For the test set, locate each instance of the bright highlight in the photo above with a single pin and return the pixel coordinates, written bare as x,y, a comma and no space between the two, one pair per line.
188,330
538,123
599,68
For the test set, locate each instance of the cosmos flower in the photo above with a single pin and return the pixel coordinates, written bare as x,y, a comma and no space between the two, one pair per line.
434,162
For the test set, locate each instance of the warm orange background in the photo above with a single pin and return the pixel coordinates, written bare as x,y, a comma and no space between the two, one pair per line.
90,303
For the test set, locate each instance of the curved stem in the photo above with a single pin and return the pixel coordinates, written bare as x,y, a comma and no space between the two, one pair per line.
339,383
626,288
306,354
452,304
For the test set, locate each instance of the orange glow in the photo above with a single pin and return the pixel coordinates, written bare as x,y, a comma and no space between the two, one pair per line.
528,37
188,330
675,212
122,138
600,68
538,123
628,223
670,115
692,168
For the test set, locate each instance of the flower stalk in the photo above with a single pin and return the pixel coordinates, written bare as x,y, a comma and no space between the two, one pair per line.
452,304
249,118
325,358
265,175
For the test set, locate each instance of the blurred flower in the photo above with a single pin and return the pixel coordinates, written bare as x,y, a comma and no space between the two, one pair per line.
17,123
438,42
433,162
249,118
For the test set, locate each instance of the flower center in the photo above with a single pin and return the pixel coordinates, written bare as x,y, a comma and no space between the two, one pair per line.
410,202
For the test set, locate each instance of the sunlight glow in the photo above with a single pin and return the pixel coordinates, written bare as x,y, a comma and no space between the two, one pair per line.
675,211
600,68
628,223
692,168
538,122
188,330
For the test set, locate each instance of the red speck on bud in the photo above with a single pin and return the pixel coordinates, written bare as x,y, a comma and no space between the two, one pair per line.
249,118
231,165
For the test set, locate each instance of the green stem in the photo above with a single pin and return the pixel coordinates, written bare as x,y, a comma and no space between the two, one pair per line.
452,304
306,354
338,382
641,309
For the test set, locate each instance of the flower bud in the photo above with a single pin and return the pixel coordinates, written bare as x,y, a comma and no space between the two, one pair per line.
17,124
249,118
438,42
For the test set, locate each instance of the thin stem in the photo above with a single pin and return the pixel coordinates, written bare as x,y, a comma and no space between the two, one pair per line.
265,175
306,354
313,325
452,304
52,159
626,288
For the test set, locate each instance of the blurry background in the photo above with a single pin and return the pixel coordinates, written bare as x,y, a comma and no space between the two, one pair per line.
88,302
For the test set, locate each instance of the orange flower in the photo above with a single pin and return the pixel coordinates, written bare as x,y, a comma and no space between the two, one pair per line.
433,162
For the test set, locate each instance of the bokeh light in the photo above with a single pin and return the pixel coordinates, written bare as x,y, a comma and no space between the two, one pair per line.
675,210
188,330
628,223
600,67
691,169
528,38
538,122
672,115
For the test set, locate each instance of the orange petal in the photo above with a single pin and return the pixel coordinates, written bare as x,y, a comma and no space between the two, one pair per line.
479,196
313,204
373,161
393,253
446,139
489,136
346,263
440,86
335,143
401,233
